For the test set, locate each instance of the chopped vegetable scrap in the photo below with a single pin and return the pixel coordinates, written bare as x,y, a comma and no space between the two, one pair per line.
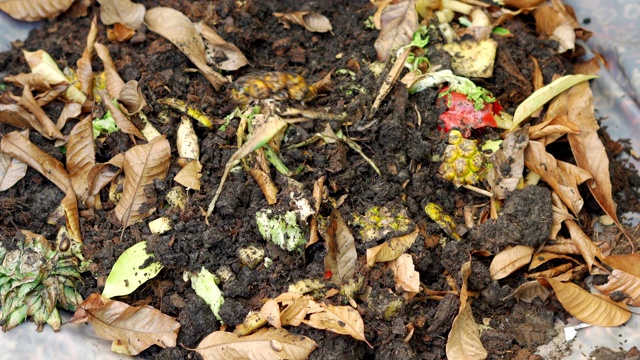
272,84
466,112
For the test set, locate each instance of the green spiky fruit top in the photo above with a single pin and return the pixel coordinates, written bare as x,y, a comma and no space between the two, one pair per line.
463,163
34,280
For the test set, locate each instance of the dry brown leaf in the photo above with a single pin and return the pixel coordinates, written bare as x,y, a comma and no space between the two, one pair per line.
561,245
34,10
398,23
508,163
189,176
85,71
538,160
628,263
102,174
81,156
391,78
552,129
265,344
464,338
15,115
509,260
44,125
40,62
235,57
119,117
530,290
542,257
625,283
72,216
51,95
311,21
295,312
69,111
19,147
343,320
270,311
142,165
392,249
590,308
265,183
113,81
587,248
11,171
36,81
554,271
341,249
120,33
177,28
405,275
122,11
553,20
132,98
132,328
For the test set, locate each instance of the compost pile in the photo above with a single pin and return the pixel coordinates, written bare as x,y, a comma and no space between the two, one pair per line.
326,180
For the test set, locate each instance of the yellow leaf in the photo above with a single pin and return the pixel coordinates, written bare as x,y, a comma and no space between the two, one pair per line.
590,308
509,260
391,249
343,320
627,263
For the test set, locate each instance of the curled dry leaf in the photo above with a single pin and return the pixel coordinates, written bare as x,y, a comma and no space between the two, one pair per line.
265,344
121,120
120,33
593,309
552,272
530,290
36,81
464,338
131,97
69,111
343,320
132,328
40,62
508,163
509,260
625,283
113,81
628,263
190,175
542,257
122,11
177,28
267,186
85,71
11,171
81,156
44,125
398,23
34,10
142,165
587,248
311,21
235,57
102,174
405,275
341,250
270,311
391,249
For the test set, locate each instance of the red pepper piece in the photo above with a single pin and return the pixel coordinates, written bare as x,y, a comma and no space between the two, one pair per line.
462,115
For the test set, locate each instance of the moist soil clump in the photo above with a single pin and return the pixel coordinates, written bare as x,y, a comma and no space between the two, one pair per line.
402,150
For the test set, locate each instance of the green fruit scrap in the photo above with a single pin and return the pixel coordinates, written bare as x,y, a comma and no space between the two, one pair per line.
34,279
463,163
283,230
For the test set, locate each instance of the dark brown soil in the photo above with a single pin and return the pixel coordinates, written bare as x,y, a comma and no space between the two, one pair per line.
400,148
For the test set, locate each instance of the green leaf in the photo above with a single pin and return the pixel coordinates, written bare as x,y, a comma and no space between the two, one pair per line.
500,31
545,94
128,272
204,283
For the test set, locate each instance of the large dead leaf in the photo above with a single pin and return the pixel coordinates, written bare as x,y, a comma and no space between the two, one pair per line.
538,160
122,11
509,260
40,62
81,156
311,21
343,320
11,171
405,275
132,328
390,250
628,263
508,163
19,147
36,81
587,248
34,10
265,344
142,165
43,124
530,290
15,115
398,23
464,338
177,28
341,249
235,57
593,309
119,117
626,283
113,80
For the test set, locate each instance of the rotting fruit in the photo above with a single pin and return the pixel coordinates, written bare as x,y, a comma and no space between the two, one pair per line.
34,280
463,163
272,85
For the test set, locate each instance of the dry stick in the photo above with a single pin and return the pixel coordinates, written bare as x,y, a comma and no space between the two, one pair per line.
478,190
